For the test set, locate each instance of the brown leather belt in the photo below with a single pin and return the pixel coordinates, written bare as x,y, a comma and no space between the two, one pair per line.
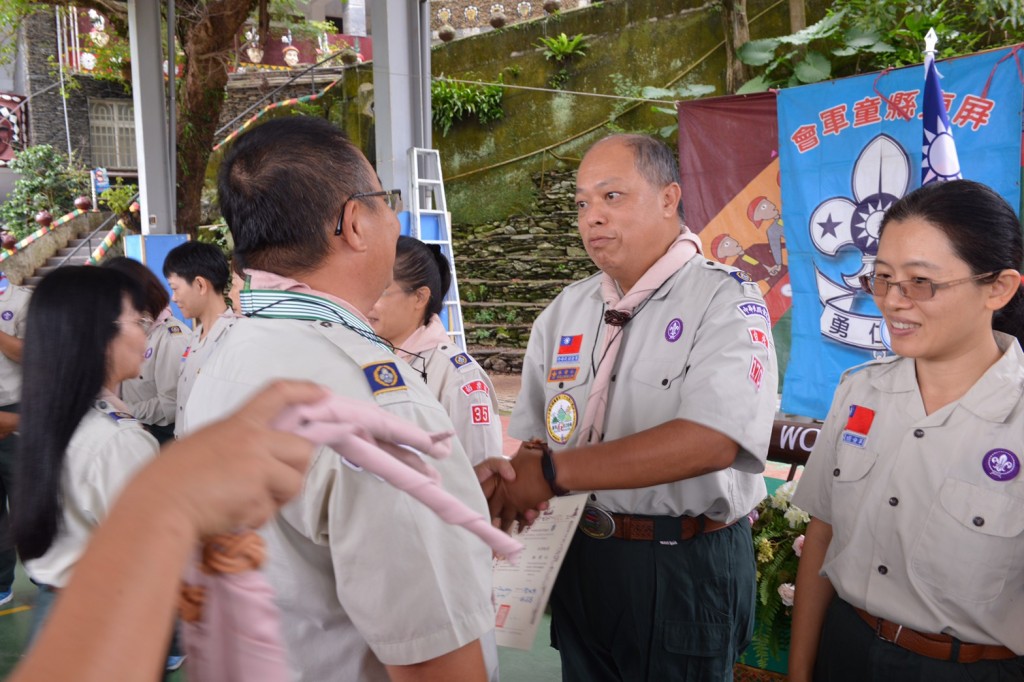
942,647
630,527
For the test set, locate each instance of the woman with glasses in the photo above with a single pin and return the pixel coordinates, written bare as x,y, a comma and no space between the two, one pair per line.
85,334
913,563
407,315
152,394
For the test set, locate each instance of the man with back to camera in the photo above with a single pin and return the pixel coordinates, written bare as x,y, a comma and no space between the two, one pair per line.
653,385
372,585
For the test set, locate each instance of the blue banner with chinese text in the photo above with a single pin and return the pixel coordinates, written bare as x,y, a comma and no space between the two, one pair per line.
847,152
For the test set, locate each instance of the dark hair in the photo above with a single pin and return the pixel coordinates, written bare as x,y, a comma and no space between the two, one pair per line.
153,289
423,265
282,186
983,229
69,326
197,259
653,160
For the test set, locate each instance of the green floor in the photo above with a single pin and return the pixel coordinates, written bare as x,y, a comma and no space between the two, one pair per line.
539,665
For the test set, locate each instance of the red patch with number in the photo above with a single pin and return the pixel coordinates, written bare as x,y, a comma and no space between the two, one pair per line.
481,414
756,373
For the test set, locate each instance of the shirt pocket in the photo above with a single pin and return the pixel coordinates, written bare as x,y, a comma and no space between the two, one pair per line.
660,373
850,482
971,540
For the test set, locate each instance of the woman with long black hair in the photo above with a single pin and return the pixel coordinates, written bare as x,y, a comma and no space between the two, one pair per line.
152,394
85,334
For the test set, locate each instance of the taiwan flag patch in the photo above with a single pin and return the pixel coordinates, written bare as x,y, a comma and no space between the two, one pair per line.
857,425
569,348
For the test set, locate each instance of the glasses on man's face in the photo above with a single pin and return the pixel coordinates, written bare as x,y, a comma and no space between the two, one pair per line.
392,197
144,322
915,288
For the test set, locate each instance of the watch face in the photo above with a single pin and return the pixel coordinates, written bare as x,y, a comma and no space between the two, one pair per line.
596,523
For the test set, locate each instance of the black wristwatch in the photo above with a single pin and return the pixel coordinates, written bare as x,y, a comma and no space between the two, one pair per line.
547,468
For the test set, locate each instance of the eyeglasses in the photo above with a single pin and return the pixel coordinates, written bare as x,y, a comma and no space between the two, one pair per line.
392,197
145,323
916,288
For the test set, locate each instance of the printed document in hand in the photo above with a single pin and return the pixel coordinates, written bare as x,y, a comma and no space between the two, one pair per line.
521,590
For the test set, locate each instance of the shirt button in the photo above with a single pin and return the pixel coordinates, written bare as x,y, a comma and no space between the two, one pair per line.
835,472
883,569
978,521
325,324
613,376
918,433
664,382
561,384
893,501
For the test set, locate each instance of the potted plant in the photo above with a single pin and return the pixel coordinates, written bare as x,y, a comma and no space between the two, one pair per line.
778,533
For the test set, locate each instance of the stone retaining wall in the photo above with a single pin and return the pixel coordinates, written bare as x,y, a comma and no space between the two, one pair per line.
510,270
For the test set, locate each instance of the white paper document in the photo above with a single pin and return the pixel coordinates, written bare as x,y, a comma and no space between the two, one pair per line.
521,591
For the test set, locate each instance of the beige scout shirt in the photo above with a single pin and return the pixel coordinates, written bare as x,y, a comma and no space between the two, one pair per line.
13,311
364,574
152,398
700,349
467,394
106,450
195,356
927,511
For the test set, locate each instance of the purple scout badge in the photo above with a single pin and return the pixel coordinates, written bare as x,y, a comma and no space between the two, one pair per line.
674,330
1000,464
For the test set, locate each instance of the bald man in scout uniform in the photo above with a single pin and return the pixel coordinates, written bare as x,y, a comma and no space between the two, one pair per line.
651,385
372,586
13,309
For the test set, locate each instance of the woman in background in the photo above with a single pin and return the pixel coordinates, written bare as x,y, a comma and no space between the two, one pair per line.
407,316
152,394
911,568
85,334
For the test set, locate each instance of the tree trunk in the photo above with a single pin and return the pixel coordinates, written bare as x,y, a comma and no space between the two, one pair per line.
797,16
737,32
207,46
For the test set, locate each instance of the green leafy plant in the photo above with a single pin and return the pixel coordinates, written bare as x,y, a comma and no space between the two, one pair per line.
778,542
49,181
453,102
119,197
865,35
483,316
219,235
561,48
673,95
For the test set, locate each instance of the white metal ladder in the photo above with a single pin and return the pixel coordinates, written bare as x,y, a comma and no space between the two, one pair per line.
431,223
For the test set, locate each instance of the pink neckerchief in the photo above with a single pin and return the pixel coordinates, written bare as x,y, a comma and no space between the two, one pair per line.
231,625
426,337
619,311
260,279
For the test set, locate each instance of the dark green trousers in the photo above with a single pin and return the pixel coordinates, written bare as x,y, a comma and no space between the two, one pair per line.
8,557
849,651
650,610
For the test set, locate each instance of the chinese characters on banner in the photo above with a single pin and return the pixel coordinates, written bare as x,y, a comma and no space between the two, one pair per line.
848,149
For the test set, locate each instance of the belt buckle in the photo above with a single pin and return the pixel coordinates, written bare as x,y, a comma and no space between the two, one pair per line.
596,523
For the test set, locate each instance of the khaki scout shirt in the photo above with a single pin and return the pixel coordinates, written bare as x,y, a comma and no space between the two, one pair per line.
107,449
927,511
152,398
700,349
195,356
467,394
364,574
13,311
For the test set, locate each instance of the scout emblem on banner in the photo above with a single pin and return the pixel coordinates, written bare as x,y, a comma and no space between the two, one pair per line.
848,151
731,193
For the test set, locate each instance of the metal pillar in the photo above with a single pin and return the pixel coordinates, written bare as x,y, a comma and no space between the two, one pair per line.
401,77
156,187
